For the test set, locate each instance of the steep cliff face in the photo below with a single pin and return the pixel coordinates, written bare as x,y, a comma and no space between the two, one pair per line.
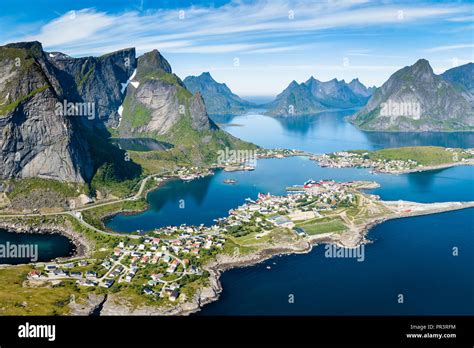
157,99
218,98
415,99
98,80
55,111
35,140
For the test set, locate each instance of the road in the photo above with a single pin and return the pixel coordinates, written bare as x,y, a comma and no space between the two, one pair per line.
72,212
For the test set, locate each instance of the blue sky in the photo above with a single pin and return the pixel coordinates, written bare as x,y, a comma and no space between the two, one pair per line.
257,47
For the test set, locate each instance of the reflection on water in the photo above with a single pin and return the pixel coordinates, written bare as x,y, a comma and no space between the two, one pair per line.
140,144
329,131
413,256
209,198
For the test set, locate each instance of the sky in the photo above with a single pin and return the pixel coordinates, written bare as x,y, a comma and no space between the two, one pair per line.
256,47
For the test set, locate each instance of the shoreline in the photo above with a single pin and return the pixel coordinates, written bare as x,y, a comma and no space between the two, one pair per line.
373,169
427,168
224,262
216,268
82,246
211,292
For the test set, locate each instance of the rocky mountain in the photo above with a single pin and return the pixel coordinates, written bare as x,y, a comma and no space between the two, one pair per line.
98,80
462,78
36,141
57,112
218,98
158,105
415,99
296,99
157,99
314,96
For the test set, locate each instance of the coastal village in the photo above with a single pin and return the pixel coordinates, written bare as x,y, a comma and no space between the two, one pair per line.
365,159
161,261
241,160
165,267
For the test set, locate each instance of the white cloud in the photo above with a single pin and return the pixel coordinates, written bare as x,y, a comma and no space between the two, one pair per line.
235,27
450,47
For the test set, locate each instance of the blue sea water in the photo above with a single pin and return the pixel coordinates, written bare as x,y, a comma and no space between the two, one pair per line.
411,257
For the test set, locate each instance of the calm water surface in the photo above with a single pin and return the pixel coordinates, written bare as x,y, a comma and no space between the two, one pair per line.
50,246
411,256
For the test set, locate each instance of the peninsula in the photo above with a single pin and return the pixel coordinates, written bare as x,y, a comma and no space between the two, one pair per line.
175,270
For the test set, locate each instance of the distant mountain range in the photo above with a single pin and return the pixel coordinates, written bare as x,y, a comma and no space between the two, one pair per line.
218,98
315,96
415,99
57,113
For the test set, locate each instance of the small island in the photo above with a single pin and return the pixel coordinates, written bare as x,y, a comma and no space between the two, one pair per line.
398,160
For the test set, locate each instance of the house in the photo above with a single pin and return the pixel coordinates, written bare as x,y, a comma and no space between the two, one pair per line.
156,277
60,273
300,232
91,274
86,282
174,295
34,274
107,283
281,221
148,291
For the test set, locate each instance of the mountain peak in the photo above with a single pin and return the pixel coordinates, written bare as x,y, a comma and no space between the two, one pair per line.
293,84
33,47
422,65
218,97
422,101
207,76
152,61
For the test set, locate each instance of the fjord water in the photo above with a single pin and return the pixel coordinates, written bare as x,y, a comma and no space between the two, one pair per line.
50,246
412,256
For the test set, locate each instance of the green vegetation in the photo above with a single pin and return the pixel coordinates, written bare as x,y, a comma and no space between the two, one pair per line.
424,155
5,109
325,225
114,172
94,216
136,112
17,299
27,185
83,77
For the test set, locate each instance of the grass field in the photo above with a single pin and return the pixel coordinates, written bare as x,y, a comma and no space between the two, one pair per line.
424,155
335,225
